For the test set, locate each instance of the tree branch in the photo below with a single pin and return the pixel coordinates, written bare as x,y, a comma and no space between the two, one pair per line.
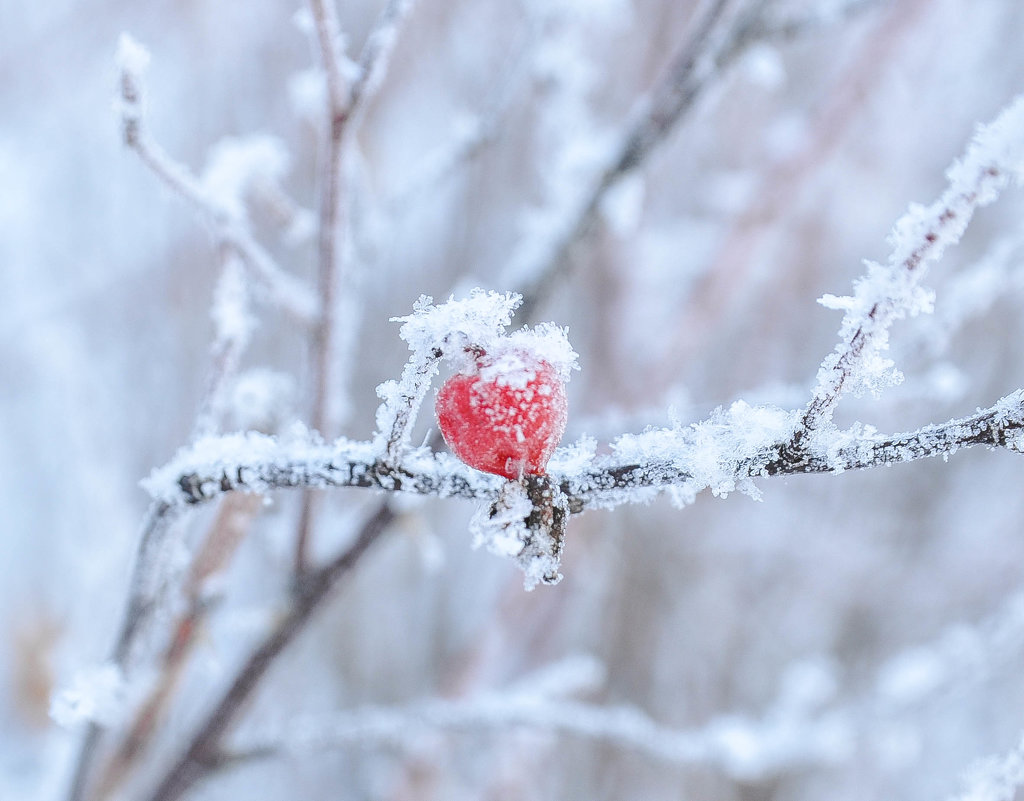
207,470
203,753
342,109
285,290
702,59
890,292
142,592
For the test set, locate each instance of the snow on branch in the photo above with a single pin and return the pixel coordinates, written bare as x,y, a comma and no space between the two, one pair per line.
373,61
287,291
789,734
892,291
252,462
432,332
717,42
809,723
723,454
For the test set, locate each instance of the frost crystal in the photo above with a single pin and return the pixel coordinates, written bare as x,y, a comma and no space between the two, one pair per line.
459,330
230,310
995,778
97,695
891,292
717,453
504,529
235,163
477,319
260,399
132,57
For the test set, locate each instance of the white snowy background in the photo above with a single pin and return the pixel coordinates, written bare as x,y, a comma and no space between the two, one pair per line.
854,636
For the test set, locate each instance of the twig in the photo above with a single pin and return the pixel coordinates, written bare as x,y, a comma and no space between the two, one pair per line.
668,101
700,60
204,751
756,755
233,325
468,141
222,540
290,293
416,383
142,592
713,292
888,293
342,109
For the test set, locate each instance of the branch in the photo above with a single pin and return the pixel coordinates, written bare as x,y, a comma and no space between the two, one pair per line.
233,326
741,747
373,61
143,589
470,134
223,537
203,753
254,462
341,111
285,290
721,453
702,59
891,292
808,723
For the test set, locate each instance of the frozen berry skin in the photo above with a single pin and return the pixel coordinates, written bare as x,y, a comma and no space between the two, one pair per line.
506,417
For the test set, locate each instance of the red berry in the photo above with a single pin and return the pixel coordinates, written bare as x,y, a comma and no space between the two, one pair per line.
506,417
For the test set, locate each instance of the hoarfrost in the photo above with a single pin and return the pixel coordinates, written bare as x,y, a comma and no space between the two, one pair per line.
307,92
762,65
459,331
132,57
913,675
477,319
98,695
891,292
233,322
995,778
260,399
502,527
717,452
235,163
575,457
622,206
298,451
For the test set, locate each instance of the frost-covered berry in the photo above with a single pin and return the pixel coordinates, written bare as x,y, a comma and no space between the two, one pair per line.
506,415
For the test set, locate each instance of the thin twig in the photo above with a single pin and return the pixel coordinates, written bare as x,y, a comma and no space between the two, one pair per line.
947,223
706,53
142,591
668,101
624,727
780,183
204,750
469,141
233,325
342,108
225,534
290,293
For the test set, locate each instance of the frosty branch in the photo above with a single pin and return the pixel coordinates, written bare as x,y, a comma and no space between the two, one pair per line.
890,292
717,42
741,747
287,291
807,723
723,453
205,470
342,111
